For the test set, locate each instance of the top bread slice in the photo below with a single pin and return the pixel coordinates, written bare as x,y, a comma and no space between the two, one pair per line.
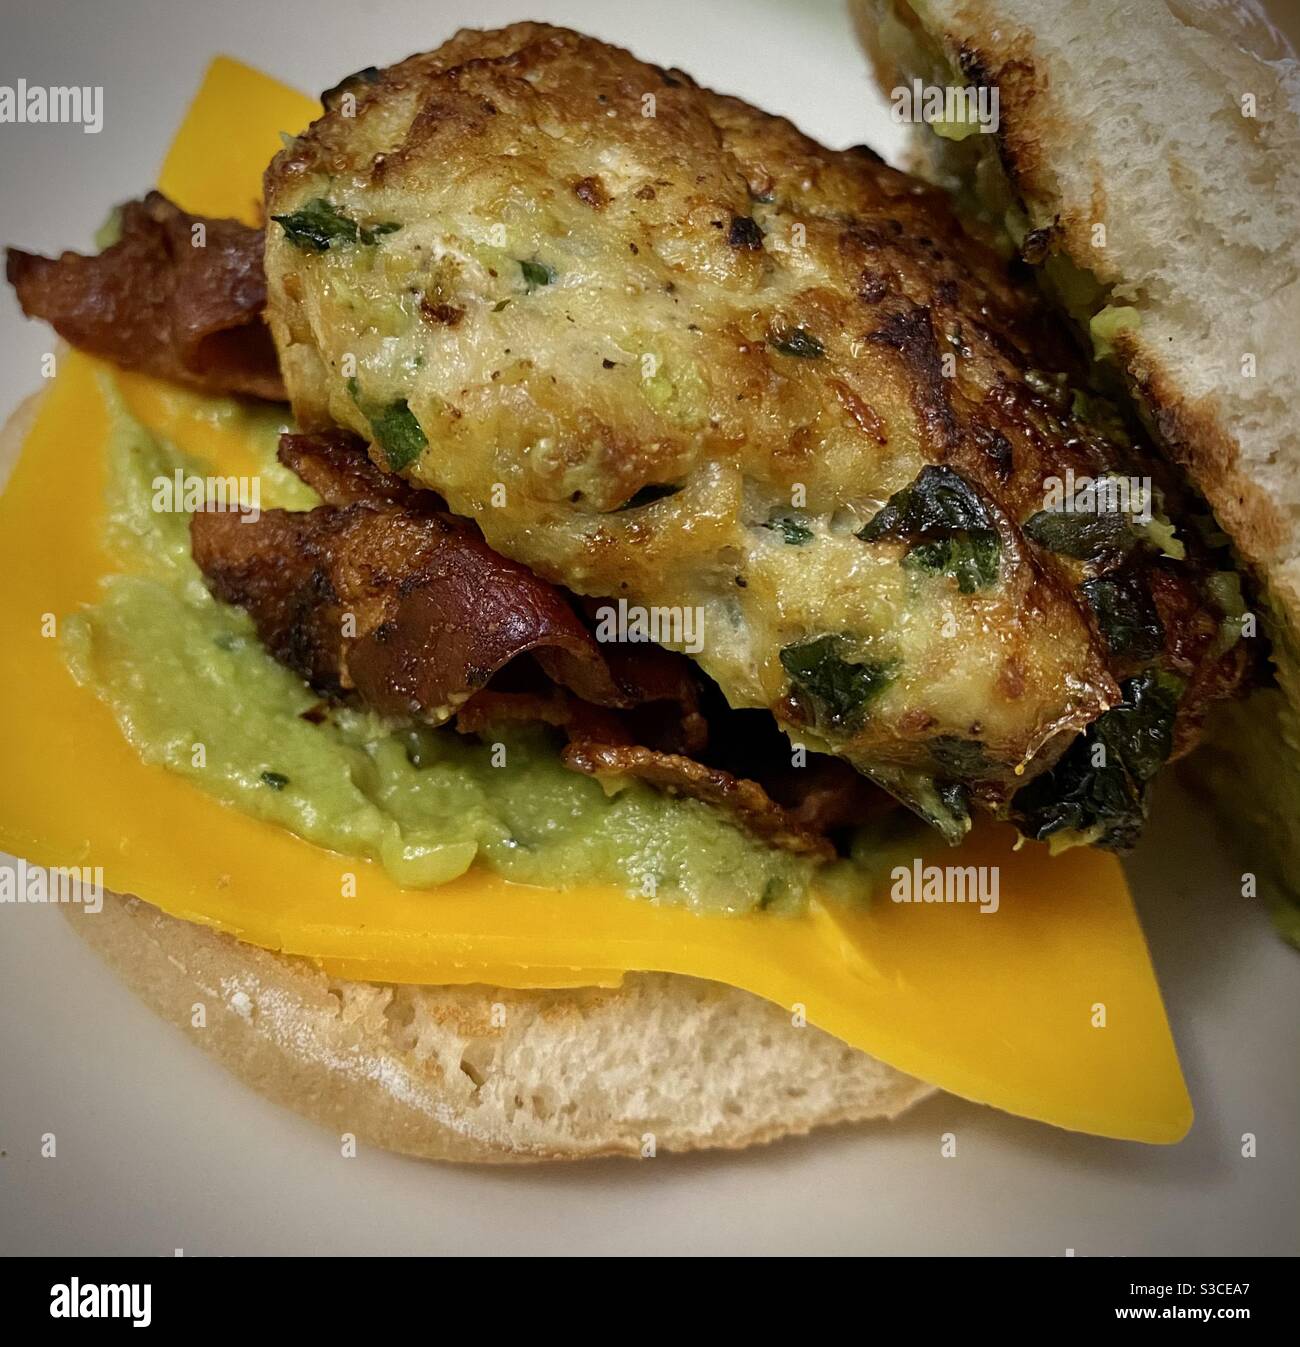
1175,125
1130,114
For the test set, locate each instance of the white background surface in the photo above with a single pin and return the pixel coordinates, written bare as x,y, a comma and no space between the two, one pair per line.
159,1149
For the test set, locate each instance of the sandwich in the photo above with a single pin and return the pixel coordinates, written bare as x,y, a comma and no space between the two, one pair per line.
589,623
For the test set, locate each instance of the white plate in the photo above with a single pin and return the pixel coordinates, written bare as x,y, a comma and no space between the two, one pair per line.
158,1149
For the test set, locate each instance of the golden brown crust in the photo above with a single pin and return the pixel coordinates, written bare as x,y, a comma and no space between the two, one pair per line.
1195,434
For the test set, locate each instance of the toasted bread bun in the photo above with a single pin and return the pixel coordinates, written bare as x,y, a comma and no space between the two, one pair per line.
1132,114
1128,114
662,1063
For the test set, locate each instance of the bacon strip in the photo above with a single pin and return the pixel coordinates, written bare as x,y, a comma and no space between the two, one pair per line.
601,744
334,463
408,607
746,801
380,593
155,302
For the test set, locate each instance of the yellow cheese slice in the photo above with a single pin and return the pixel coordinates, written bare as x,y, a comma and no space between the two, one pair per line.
1047,1008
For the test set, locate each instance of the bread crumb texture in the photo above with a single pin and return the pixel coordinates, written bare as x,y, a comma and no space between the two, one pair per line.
662,1063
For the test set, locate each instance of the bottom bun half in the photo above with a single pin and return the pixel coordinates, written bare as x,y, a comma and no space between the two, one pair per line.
475,1073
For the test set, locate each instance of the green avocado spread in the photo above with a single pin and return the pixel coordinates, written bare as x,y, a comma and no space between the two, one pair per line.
192,688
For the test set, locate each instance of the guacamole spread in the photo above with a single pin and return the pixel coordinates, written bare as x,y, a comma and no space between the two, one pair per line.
193,689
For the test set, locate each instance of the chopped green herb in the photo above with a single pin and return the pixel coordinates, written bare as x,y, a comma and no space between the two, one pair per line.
938,504
276,780
1084,535
1098,789
794,533
948,525
499,305
971,559
320,225
398,434
838,690
1126,615
317,226
795,341
536,274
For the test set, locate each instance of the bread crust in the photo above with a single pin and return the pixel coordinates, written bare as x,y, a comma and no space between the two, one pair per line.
1199,203
490,1075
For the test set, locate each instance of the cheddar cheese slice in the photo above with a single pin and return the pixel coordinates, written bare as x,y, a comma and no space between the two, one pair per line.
1047,1007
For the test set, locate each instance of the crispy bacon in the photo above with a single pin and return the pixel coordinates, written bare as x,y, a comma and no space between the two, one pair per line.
794,809
746,801
160,301
335,465
404,605
825,794
381,594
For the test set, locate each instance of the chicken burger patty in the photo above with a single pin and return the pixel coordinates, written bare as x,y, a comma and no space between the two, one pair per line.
664,348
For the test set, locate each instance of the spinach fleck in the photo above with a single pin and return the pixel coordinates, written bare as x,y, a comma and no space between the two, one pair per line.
947,523
1126,615
319,226
536,274
838,690
971,559
796,342
1098,788
794,533
1084,535
398,434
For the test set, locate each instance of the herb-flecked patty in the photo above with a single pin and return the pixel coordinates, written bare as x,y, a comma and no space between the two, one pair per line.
661,346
